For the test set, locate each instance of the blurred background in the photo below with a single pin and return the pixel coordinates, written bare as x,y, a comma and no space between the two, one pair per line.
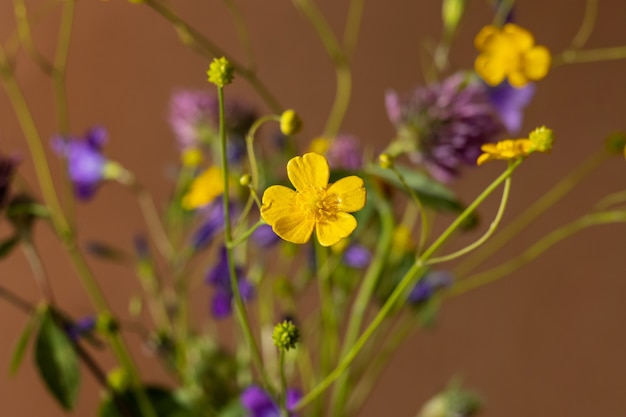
547,340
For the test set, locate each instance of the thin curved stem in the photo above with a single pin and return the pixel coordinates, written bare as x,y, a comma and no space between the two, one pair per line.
589,55
242,32
424,227
586,26
34,260
211,50
478,280
353,26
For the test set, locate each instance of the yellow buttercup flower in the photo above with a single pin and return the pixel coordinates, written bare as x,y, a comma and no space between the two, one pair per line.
510,53
505,149
204,189
315,204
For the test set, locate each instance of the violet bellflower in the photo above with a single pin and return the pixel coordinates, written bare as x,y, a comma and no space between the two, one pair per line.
259,403
80,327
87,165
427,286
345,153
442,126
509,103
219,278
264,236
357,256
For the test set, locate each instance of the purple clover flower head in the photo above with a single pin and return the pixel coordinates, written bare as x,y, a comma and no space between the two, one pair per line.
219,278
264,236
345,152
260,404
357,256
427,286
509,103
81,327
86,164
442,126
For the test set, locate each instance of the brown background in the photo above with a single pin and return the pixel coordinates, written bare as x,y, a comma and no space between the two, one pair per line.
547,341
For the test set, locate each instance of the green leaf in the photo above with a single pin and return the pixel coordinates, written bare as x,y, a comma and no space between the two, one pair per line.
7,245
430,192
57,362
164,402
234,409
22,343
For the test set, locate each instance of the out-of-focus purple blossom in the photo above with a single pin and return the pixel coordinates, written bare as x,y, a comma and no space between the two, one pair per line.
81,327
260,404
7,169
443,125
264,236
345,152
427,286
219,278
509,103
86,164
194,118
213,223
357,256
141,247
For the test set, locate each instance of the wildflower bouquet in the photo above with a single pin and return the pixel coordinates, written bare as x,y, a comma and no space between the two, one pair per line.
322,254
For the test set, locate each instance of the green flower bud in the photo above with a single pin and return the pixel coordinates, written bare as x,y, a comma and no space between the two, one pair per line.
290,123
385,161
220,72
451,13
118,379
106,324
286,335
541,139
245,180
616,143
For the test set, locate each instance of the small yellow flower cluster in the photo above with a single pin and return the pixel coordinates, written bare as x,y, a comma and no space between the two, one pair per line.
204,189
539,140
510,53
315,204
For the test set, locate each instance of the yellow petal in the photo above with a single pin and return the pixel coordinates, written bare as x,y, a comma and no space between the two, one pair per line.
278,201
332,231
295,227
350,192
520,37
309,170
481,40
204,189
484,158
537,62
490,69
517,79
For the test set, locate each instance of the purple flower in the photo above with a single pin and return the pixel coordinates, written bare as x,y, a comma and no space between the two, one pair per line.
357,256
212,225
219,278
80,327
86,164
264,236
260,404
427,286
345,152
443,125
194,118
509,102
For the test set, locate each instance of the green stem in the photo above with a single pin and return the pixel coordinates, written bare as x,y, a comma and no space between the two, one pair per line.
242,32
424,227
521,222
245,235
34,260
503,11
330,329
283,384
25,36
490,231
153,221
407,281
339,59
586,27
211,50
484,278
363,298
589,55
240,310
353,26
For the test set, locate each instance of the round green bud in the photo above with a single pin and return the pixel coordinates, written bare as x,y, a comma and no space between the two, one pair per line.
118,379
385,160
245,180
541,139
616,143
290,123
220,72
286,335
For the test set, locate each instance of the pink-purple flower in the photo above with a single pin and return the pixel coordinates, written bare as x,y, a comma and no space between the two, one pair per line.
259,403
219,278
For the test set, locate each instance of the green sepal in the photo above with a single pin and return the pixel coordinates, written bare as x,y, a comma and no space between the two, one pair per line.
7,245
56,361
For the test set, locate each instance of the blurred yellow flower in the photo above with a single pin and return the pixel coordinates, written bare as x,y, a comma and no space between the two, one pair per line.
204,189
315,204
505,149
510,53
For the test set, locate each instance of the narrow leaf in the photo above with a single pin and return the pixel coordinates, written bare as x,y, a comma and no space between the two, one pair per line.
22,343
57,362
7,245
